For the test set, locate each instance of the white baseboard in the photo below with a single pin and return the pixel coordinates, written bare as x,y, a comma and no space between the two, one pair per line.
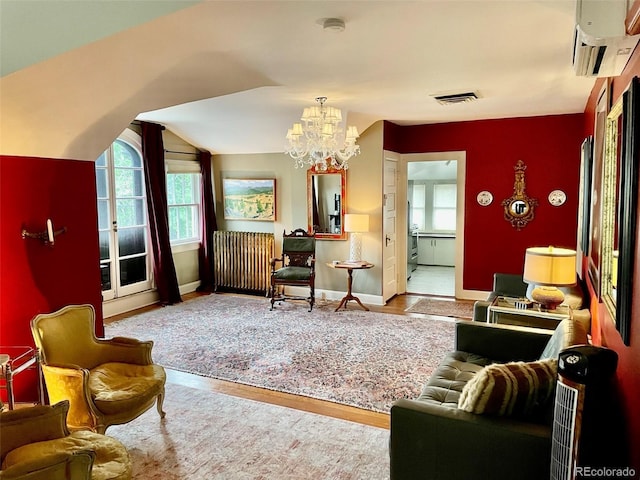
472,295
117,306
189,287
334,295
126,304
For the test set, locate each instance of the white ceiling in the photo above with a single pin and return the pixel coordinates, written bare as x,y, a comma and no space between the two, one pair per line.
231,76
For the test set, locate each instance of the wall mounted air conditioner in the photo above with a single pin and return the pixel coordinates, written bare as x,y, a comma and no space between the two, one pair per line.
601,47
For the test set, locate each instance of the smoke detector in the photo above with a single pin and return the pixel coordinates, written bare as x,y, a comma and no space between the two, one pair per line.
455,98
333,24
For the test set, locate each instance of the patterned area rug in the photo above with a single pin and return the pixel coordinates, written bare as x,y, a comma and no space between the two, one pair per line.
209,435
353,357
443,308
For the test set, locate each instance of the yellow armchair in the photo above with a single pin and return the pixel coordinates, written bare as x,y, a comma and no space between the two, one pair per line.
107,382
35,444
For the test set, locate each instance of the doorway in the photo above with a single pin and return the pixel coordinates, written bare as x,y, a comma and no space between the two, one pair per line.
432,192
125,266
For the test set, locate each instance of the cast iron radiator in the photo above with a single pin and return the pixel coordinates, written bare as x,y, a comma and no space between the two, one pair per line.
241,260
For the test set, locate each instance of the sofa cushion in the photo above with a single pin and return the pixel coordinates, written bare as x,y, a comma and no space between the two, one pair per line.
514,388
567,333
448,380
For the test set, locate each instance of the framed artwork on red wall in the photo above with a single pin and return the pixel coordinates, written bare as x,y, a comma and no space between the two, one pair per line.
584,201
595,211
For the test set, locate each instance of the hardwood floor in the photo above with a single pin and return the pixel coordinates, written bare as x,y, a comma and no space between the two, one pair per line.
396,305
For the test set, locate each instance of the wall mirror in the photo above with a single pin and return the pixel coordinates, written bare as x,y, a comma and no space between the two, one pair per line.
519,207
326,192
619,201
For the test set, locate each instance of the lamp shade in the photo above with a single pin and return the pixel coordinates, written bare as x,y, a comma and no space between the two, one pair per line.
356,222
550,266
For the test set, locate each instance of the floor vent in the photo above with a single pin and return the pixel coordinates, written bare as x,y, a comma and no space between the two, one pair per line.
455,98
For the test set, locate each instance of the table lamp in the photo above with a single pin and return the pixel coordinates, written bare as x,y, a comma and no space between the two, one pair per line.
545,269
355,224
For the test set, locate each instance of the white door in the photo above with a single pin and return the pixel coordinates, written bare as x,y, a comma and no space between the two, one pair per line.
389,229
122,220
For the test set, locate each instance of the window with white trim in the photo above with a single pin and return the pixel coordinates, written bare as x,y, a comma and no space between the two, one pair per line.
183,199
418,207
444,206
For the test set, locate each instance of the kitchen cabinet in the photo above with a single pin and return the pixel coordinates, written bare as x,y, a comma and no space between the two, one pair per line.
436,251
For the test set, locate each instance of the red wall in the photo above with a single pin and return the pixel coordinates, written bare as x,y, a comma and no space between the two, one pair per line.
550,148
34,277
628,373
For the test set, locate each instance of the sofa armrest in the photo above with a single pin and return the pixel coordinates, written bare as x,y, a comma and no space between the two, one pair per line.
480,310
441,443
506,343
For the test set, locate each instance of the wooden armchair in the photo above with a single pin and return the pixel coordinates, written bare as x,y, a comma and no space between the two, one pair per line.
298,267
106,382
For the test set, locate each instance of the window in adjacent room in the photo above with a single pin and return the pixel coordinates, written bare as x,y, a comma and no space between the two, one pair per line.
418,207
444,207
183,198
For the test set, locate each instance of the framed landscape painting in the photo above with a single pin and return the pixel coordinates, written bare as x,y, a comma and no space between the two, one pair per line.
249,199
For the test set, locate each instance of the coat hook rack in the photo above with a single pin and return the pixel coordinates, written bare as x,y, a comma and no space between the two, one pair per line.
48,236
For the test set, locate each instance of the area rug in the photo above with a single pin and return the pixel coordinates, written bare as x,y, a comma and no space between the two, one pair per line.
443,308
208,435
354,357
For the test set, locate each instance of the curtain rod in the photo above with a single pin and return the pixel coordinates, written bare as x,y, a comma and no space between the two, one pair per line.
181,153
139,122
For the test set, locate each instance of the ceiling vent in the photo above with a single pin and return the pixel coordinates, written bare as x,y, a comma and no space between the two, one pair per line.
454,98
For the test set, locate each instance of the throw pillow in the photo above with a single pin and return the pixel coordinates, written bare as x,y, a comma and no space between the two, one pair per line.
515,388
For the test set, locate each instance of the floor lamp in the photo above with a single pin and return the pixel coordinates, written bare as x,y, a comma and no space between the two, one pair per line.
355,224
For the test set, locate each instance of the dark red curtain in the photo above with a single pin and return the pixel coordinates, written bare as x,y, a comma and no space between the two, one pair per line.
156,184
208,224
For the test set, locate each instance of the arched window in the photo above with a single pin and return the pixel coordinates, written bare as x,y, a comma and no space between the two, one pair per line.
125,265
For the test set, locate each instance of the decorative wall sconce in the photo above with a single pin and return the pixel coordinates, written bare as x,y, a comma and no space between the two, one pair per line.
519,208
48,237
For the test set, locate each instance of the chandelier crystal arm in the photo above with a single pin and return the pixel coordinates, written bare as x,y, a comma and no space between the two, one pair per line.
319,138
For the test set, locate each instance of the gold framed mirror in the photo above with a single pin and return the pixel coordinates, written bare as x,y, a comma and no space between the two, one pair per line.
326,200
619,200
519,207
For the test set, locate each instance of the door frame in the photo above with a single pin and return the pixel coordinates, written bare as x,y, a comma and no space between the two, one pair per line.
461,158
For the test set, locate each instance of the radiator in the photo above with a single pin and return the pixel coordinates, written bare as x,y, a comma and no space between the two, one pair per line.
241,260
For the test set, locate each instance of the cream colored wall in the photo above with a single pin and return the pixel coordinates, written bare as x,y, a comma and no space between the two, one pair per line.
364,195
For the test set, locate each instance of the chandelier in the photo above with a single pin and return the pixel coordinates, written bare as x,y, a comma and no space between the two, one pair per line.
317,141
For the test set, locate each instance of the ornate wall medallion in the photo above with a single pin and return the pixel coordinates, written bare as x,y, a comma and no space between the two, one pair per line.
519,208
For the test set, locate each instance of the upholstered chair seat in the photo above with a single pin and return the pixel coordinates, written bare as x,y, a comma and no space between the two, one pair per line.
293,273
36,445
107,382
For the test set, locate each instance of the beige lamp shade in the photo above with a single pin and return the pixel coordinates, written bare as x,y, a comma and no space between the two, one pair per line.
354,222
545,269
550,266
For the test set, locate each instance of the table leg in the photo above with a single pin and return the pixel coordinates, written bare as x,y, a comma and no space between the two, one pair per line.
349,295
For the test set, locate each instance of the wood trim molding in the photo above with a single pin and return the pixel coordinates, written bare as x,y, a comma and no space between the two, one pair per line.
632,22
